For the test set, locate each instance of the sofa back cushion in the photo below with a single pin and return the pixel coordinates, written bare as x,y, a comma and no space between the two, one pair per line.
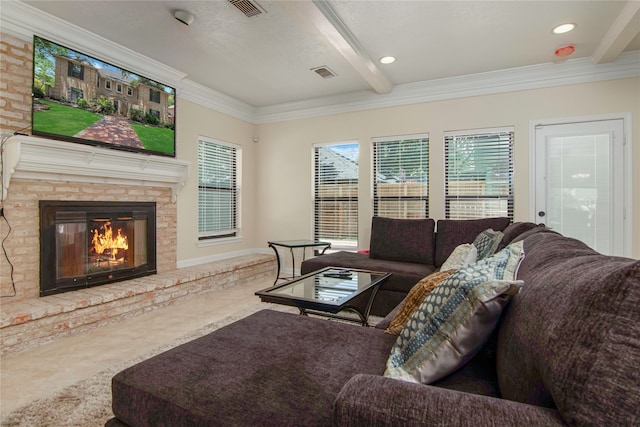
408,240
514,230
451,233
570,338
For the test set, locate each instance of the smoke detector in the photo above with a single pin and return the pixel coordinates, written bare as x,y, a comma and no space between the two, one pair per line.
184,16
565,50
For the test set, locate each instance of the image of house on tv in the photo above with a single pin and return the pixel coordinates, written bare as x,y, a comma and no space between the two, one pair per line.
76,79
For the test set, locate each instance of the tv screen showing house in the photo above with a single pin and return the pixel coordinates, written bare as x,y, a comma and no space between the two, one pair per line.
79,98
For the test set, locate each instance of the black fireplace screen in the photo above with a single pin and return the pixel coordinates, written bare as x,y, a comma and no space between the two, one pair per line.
85,244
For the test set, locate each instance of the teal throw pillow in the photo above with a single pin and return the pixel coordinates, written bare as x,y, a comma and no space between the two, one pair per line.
487,242
456,319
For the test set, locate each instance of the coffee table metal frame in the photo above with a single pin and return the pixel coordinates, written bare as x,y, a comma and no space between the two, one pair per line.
292,244
356,302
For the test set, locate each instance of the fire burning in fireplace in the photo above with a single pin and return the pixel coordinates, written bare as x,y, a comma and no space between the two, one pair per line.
93,243
108,247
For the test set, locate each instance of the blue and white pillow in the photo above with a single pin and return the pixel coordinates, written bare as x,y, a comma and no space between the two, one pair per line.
456,319
487,242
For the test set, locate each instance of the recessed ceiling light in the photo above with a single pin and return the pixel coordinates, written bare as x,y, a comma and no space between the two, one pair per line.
387,60
563,28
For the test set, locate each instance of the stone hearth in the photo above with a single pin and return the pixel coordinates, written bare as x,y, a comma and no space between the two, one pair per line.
32,322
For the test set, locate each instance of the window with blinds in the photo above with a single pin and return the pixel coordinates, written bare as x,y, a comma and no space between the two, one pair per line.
218,189
336,195
401,177
479,173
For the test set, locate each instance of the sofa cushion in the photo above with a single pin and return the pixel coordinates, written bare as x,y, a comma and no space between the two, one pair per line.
514,230
369,400
254,371
406,240
456,319
571,339
414,299
451,233
487,242
535,230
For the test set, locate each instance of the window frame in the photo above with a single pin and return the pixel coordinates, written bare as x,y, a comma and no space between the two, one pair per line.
233,234
76,70
377,198
154,94
336,244
490,135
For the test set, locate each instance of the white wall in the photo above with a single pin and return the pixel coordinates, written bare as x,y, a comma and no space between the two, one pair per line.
284,172
192,122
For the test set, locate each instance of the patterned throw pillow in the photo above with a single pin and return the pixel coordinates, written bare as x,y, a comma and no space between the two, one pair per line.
487,242
461,256
455,319
414,298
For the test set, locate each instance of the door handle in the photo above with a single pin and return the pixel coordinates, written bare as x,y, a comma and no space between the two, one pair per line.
541,214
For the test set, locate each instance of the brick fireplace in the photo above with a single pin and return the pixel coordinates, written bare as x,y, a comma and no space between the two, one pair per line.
40,169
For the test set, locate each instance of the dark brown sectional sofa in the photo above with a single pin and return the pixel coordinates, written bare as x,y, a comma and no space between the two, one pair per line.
566,352
409,249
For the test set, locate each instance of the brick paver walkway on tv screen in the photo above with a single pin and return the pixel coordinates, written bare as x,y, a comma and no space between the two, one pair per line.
112,129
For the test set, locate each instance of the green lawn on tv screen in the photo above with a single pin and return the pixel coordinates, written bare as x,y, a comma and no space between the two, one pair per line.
68,121
155,138
62,119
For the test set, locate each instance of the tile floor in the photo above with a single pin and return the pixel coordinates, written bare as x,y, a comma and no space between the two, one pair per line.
36,373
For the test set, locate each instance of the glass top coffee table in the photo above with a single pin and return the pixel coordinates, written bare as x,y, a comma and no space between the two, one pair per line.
329,291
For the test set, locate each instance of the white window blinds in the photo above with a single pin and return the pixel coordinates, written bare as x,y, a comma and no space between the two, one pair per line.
217,189
336,195
401,177
479,173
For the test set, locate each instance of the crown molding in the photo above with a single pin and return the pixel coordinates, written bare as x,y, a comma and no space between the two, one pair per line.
575,71
210,98
22,21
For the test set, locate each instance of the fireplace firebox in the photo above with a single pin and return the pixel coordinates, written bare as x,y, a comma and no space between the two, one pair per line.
84,244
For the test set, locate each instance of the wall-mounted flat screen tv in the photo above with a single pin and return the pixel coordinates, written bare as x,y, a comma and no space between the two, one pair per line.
79,98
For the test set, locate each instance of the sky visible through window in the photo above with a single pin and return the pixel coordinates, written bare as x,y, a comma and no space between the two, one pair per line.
350,151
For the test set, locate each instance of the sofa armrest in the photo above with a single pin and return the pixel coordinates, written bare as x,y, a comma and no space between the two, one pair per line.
374,400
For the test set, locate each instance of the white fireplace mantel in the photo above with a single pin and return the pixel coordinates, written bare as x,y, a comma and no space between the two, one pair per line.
26,157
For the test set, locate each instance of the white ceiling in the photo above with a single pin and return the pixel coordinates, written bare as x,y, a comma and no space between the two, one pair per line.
266,60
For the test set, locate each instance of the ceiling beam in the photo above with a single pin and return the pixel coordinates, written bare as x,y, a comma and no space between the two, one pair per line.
323,18
625,28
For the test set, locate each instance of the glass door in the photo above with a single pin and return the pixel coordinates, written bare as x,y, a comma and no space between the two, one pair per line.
580,182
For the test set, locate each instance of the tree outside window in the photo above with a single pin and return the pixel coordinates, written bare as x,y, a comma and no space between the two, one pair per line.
401,177
479,173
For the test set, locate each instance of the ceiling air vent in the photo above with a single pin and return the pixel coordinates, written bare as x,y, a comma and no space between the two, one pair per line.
324,72
247,7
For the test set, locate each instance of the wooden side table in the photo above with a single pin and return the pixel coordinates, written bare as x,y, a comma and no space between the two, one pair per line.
292,244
